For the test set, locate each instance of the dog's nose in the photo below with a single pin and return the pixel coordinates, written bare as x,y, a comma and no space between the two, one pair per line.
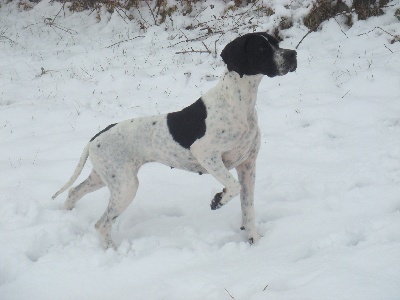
291,55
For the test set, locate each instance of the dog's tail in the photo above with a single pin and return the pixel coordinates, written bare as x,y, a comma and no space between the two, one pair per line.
77,171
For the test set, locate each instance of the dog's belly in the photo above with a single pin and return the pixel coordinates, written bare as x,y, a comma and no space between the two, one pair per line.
144,140
186,161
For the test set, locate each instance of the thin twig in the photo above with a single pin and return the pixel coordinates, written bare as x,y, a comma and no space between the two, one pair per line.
367,32
396,38
121,15
215,44
7,38
247,11
62,8
206,47
387,48
50,22
184,34
317,25
340,28
240,15
377,27
345,94
86,72
229,294
139,36
195,39
195,18
193,51
31,25
311,30
10,40
140,14
339,14
151,11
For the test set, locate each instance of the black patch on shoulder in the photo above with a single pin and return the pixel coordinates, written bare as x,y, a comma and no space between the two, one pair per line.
189,124
104,130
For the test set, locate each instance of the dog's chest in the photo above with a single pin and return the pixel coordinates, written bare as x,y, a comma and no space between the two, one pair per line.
243,147
162,147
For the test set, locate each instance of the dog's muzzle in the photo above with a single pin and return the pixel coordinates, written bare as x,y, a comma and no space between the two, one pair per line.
291,60
288,61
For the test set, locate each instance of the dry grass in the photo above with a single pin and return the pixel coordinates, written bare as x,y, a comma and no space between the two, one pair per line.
369,8
160,10
323,10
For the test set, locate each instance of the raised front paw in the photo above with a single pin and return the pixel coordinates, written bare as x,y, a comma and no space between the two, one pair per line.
216,202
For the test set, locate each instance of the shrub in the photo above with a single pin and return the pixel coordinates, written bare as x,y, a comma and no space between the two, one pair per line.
323,10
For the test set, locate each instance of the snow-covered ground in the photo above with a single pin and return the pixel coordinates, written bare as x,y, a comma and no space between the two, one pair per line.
328,183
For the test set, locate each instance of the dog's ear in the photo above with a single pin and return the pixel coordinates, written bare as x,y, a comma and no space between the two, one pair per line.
240,54
272,40
234,55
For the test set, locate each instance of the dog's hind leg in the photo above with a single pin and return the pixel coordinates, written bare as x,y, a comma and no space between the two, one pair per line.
91,184
123,186
211,160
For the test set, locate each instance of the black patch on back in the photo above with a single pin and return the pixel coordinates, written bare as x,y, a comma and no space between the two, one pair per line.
104,130
189,124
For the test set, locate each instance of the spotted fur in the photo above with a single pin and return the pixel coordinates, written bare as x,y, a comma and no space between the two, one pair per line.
217,133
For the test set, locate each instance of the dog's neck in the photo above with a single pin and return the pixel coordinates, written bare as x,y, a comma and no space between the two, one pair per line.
241,89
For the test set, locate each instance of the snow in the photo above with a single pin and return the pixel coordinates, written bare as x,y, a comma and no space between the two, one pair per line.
328,183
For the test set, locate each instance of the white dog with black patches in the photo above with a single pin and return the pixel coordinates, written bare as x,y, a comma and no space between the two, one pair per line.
217,133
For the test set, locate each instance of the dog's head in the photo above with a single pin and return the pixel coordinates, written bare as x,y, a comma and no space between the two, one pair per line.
258,53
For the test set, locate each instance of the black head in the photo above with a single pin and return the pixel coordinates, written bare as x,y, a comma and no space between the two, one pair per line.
258,53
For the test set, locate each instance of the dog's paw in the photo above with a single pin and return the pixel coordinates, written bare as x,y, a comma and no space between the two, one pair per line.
254,238
68,205
216,202
110,245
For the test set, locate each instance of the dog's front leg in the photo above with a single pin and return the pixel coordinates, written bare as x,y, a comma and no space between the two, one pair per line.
246,174
211,160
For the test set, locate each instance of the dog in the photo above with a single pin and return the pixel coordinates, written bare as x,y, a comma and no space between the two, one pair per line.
216,133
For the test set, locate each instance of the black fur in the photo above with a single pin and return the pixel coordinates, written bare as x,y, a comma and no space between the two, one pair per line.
104,130
251,54
216,202
189,124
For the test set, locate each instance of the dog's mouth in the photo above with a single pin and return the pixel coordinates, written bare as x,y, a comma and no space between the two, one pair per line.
293,67
290,57
288,68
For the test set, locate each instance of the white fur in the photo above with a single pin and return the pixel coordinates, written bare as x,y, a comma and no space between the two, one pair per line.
231,140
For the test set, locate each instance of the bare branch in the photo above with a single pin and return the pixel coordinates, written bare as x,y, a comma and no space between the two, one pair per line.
127,40
151,11
2,36
229,294
193,51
